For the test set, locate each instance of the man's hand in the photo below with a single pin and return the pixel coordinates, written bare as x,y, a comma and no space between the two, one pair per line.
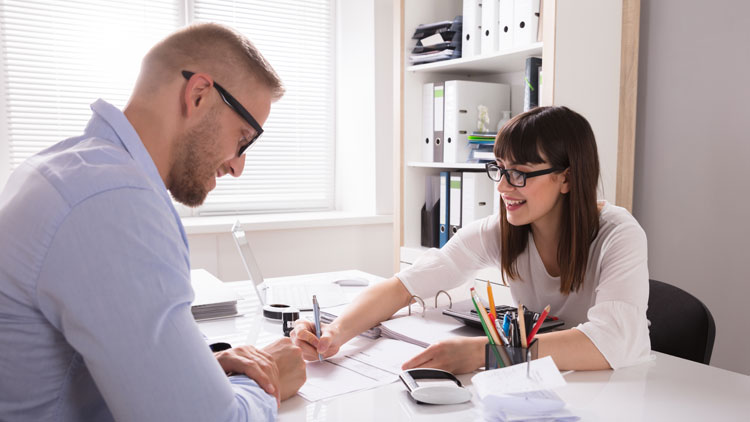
292,368
258,365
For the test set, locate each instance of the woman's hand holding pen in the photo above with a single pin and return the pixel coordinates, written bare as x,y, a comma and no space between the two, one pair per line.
303,336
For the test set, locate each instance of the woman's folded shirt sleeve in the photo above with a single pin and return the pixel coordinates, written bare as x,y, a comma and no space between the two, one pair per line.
472,248
617,323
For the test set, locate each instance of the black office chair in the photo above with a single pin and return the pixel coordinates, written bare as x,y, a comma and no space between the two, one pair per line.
681,325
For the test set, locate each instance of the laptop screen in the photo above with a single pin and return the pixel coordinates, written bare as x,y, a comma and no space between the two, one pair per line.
248,259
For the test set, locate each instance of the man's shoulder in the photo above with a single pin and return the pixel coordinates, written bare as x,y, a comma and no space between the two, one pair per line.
79,168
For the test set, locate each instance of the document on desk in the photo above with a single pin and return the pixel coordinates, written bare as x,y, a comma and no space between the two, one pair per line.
360,365
424,329
513,394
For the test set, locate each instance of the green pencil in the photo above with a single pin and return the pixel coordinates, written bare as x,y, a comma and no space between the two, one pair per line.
487,333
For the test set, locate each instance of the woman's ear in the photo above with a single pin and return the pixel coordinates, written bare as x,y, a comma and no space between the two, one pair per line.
565,182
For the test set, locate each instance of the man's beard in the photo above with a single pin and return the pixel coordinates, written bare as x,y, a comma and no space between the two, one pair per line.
195,163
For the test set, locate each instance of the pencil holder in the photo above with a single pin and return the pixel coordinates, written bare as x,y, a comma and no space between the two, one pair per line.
509,355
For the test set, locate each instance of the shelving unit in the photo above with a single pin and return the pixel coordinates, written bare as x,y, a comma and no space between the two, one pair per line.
589,55
448,166
501,62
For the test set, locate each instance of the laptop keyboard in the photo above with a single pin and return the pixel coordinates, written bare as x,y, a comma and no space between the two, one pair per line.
298,295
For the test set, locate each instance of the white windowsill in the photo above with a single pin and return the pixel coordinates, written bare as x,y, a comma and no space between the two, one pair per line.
257,222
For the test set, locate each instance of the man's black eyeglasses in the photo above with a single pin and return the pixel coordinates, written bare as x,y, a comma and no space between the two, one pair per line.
238,108
515,178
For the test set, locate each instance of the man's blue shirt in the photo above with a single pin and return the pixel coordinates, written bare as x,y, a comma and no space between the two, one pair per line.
95,292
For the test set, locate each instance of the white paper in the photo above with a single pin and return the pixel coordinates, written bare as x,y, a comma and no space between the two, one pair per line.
326,380
510,394
543,375
209,290
432,40
361,364
424,330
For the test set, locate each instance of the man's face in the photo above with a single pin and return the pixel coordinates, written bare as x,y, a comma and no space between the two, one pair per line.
208,150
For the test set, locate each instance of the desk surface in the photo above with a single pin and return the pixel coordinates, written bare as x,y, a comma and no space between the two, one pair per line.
666,388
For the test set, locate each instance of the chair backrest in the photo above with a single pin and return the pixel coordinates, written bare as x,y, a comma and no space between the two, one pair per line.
681,325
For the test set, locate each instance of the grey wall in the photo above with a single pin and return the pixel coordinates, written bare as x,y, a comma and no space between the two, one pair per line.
692,164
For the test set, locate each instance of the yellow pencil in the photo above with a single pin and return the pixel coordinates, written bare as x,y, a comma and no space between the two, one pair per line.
492,299
522,325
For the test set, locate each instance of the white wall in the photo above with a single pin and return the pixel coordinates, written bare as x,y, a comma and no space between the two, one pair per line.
692,194
298,251
587,74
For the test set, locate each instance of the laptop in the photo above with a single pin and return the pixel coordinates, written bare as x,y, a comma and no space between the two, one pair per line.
295,294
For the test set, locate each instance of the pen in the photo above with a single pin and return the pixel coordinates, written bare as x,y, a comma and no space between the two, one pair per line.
501,333
506,323
491,298
316,312
538,324
522,325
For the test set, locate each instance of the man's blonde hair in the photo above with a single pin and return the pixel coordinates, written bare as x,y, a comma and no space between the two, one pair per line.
212,48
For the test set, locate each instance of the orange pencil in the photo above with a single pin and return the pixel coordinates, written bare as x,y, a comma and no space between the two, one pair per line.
492,300
538,324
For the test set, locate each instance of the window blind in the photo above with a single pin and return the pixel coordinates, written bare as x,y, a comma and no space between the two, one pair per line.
61,55
291,167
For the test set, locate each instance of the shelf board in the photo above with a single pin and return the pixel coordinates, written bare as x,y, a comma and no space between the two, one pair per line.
465,166
513,60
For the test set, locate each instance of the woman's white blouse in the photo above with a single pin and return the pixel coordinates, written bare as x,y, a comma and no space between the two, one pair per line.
610,307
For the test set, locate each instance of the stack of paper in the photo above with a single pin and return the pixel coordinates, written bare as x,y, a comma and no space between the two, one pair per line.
213,299
424,329
522,393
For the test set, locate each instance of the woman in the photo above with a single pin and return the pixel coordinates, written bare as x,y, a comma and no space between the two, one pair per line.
554,243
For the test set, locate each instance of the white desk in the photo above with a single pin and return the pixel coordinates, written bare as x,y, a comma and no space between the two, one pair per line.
665,389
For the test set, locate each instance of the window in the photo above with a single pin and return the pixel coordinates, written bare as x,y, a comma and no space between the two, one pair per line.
60,56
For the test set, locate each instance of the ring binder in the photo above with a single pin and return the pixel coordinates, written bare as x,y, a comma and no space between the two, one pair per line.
415,297
421,301
450,301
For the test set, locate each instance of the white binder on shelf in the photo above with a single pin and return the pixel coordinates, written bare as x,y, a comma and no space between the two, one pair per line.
445,196
428,111
489,26
477,196
471,41
461,114
438,129
455,203
526,22
505,25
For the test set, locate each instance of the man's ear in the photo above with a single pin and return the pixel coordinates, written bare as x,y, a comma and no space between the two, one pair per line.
196,90
565,186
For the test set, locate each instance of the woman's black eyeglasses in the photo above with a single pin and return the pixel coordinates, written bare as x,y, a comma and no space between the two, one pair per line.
238,108
515,178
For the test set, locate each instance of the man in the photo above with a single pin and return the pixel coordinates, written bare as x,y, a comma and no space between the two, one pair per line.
95,293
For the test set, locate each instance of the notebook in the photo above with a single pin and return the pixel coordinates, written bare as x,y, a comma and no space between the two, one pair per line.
295,294
213,298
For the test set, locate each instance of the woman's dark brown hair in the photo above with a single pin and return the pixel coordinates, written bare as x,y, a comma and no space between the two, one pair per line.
566,140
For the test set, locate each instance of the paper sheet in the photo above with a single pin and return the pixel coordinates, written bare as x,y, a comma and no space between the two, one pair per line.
360,365
543,375
509,394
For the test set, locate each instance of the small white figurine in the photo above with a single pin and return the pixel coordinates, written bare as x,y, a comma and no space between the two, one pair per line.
483,119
